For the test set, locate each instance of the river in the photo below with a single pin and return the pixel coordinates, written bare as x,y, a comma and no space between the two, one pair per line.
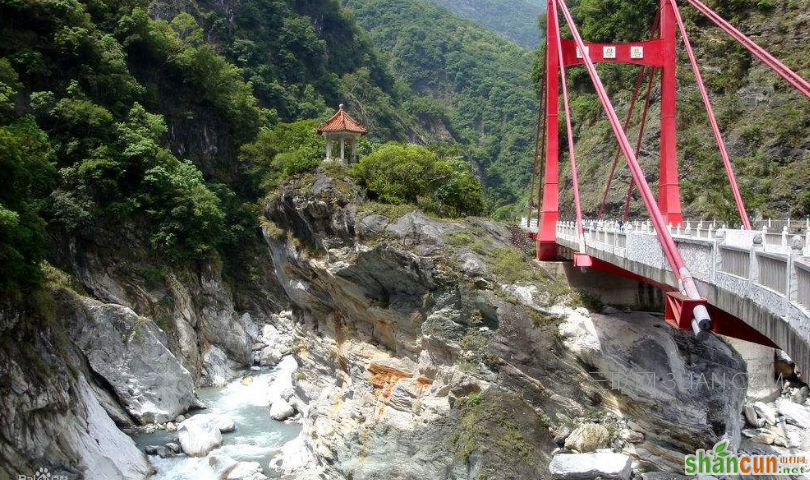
257,437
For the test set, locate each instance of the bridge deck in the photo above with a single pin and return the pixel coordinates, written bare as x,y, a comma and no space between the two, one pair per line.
762,281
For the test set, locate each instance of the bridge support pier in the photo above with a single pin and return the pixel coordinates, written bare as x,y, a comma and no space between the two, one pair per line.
608,288
760,366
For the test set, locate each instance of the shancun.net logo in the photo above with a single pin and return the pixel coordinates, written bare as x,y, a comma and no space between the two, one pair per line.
720,461
42,474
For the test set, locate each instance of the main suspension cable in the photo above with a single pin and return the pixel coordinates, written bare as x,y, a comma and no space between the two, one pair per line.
540,131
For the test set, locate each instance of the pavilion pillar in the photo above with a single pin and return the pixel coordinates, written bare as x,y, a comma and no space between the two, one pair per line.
354,148
329,141
342,150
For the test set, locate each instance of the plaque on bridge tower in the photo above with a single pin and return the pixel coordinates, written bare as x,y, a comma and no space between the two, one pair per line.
636,52
608,52
587,52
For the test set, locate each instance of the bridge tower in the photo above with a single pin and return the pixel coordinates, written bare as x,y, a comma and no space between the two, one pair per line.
657,53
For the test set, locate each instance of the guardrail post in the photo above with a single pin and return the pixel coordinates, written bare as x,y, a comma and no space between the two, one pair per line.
753,269
792,290
719,238
807,240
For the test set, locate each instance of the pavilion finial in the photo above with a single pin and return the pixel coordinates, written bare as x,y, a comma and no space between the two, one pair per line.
340,106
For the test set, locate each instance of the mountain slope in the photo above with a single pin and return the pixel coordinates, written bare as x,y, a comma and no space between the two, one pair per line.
514,19
484,80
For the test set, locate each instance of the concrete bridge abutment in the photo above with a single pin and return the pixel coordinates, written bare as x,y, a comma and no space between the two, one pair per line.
607,288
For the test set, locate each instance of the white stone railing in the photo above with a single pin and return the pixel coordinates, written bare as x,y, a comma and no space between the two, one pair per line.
737,260
772,272
529,225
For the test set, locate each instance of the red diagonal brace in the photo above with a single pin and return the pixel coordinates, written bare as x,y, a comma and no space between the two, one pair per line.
792,77
732,180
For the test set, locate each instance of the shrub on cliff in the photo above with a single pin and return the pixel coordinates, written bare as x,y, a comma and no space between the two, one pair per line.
402,173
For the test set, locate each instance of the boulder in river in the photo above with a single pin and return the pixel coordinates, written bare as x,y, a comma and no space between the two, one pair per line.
246,471
222,422
197,439
281,410
575,466
269,356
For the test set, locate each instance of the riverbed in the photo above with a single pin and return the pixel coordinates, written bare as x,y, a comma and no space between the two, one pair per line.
257,437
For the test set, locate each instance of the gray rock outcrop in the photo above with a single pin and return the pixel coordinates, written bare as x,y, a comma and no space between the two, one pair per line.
50,414
130,353
418,350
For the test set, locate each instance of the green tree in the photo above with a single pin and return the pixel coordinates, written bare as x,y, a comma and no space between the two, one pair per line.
284,150
189,220
26,173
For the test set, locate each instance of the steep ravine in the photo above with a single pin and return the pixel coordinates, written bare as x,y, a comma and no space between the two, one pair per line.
425,348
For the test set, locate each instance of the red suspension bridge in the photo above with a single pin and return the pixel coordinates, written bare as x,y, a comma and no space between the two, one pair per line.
721,280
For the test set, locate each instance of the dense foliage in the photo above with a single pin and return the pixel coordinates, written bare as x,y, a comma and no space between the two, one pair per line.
514,19
284,150
397,173
483,80
178,125
26,173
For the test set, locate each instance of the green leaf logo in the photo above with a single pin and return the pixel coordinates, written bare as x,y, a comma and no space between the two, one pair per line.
718,449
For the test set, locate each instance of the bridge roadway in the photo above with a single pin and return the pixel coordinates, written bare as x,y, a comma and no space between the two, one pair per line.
762,279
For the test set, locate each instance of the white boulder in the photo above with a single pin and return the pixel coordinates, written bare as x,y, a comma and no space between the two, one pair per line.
222,422
218,368
246,471
590,465
766,412
794,413
269,356
281,410
281,387
197,439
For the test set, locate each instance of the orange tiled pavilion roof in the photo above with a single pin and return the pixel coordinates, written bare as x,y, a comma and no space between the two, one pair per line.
342,122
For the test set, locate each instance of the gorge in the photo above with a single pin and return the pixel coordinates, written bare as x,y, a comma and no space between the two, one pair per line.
189,291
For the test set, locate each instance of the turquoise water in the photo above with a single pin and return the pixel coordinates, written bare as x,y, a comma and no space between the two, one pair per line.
257,437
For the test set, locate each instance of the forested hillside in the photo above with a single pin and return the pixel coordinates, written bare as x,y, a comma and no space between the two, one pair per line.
176,118
514,19
765,122
482,79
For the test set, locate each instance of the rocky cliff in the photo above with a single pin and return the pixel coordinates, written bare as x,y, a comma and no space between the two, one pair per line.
128,335
435,349
427,349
